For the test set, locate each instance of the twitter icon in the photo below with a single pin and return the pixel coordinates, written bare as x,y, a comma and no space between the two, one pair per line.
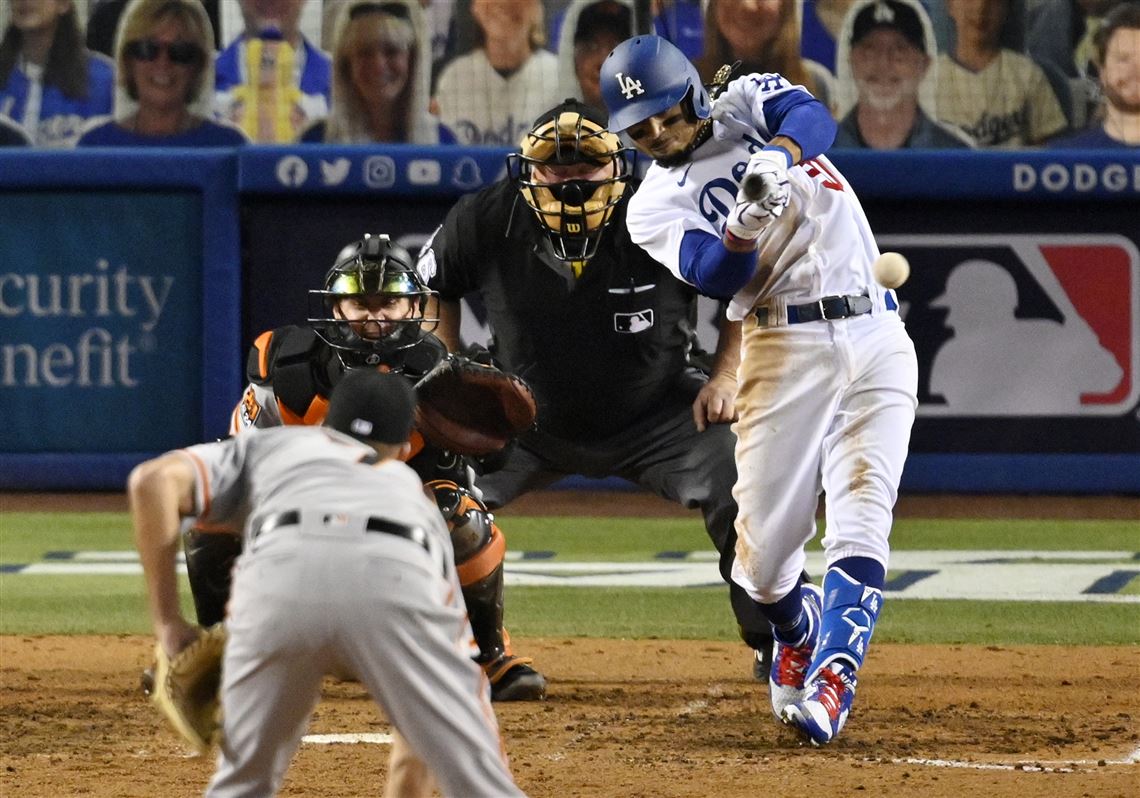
333,174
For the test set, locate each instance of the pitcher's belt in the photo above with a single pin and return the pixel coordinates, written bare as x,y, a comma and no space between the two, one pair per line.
372,524
829,308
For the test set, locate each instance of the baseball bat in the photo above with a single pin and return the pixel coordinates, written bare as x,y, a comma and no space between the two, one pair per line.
752,187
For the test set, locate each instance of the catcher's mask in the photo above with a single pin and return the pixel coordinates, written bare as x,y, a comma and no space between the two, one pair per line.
373,271
571,172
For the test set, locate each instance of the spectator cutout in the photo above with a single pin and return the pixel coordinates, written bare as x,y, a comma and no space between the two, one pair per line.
490,95
50,84
381,77
997,96
165,80
885,90
1117,58
272,81
1059,37
590,30
764,35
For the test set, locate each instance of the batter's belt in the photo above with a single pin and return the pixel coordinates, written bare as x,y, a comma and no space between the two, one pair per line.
371,524
829,308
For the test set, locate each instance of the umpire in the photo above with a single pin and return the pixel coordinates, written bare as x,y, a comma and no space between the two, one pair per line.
602,332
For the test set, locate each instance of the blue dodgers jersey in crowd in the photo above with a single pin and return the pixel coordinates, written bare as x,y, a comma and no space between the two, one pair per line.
207,134
1090,138
314,84
62,118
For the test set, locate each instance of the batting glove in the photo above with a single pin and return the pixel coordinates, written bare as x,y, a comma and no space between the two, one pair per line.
762,197
765,181
749,219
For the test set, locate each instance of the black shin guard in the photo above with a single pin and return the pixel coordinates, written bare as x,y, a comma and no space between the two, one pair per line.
209,564
484,600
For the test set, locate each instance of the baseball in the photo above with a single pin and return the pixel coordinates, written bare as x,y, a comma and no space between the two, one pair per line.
891,269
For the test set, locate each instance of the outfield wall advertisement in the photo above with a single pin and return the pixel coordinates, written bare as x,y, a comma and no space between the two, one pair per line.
119,310
125,330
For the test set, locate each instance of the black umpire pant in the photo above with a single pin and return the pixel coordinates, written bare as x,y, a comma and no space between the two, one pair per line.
663,453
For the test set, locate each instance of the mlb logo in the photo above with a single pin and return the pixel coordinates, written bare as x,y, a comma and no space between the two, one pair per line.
1023,325
636,322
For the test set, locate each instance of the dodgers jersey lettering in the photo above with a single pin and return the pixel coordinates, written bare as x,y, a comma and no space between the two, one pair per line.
820,245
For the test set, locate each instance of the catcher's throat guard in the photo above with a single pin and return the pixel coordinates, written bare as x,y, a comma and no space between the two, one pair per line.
572,211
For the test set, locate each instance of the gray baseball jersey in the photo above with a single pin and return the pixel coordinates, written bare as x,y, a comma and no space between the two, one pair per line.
323,586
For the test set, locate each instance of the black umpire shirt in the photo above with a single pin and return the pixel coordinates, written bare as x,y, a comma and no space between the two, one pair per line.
600,351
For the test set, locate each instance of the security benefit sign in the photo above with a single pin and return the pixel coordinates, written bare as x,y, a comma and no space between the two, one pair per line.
100,310
1034,339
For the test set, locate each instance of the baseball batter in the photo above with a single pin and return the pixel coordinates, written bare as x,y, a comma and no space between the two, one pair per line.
330,508
741,203
370,314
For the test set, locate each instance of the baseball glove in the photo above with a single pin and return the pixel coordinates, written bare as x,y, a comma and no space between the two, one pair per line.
186,688
471,408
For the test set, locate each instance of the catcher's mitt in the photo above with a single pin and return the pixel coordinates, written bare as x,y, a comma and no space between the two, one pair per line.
186,688
471,408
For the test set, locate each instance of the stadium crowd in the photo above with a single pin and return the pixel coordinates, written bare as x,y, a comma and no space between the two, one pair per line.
896,74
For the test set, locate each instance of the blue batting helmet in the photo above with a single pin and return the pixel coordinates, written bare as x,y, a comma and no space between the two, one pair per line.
647,75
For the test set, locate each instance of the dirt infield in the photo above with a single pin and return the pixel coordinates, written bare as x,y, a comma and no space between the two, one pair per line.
627,718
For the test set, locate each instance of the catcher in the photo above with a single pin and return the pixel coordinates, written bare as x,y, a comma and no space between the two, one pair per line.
330,507
370,314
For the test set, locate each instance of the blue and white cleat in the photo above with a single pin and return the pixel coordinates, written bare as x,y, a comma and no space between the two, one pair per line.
821,714
790,663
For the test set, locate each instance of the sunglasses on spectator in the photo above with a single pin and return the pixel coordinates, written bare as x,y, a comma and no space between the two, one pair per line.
178,52
391,9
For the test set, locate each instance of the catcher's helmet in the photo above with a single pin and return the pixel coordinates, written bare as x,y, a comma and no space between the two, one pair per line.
372,266
572,211
647,75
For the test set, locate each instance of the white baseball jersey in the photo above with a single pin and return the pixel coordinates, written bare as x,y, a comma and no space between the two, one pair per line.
483,108
324,589
1008,103
823,405
820,246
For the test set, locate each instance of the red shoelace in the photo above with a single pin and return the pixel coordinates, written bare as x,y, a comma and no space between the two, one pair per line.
792,665
829,691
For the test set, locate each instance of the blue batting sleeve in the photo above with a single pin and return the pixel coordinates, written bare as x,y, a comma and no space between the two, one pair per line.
803,119
711,268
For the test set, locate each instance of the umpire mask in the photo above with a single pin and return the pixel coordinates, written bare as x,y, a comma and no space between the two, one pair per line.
572,173
372,305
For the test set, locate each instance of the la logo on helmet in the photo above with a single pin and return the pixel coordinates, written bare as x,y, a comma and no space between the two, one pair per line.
629,86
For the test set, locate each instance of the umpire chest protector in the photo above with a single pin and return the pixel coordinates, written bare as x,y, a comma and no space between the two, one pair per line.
599,350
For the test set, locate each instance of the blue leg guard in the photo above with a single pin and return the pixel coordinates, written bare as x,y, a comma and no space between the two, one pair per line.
850,610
